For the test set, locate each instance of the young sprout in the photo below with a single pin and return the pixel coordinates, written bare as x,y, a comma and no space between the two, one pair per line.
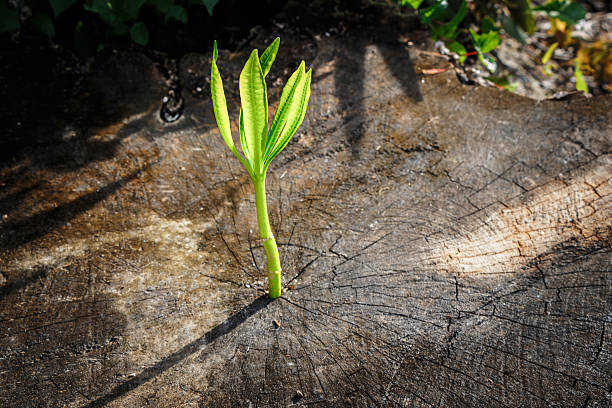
260,141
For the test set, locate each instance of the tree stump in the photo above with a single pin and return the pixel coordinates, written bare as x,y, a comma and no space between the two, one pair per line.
442,244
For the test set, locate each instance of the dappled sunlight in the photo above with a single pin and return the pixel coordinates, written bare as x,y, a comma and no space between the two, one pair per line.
513,234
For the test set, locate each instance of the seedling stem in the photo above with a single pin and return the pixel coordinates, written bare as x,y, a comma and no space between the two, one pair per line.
267,239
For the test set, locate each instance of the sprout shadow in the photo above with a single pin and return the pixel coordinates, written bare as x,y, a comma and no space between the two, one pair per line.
222,329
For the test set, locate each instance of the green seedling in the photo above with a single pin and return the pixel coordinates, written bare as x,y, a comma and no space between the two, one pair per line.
260,141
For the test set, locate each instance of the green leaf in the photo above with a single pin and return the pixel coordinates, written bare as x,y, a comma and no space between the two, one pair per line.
178,13
549,52
59,6
113,11
119,29
44,24
127,9
522,15
460,15
458,49
412,3
564,10
210,4
436,11
448,30
243,141
254,101
581,84
260,143
269,55
220,107
282,111
104,9
139,33
9,20
488,61
486,42
514,30
161,5
487,25
297,110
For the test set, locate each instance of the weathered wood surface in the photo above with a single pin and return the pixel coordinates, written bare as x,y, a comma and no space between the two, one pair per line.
445,245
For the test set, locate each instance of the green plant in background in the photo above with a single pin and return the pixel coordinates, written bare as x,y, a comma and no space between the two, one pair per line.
444,20
566,11
581,84
121,17
486,42
450,20
9,18
260,141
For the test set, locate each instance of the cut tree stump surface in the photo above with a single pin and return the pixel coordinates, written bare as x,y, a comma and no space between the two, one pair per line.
442,244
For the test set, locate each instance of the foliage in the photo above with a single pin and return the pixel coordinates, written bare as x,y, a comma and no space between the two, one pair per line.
210,4
593,58
485,43
261,142
566,11
451,22
9,19
59,6
549,52
447,22
581,84
120,17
